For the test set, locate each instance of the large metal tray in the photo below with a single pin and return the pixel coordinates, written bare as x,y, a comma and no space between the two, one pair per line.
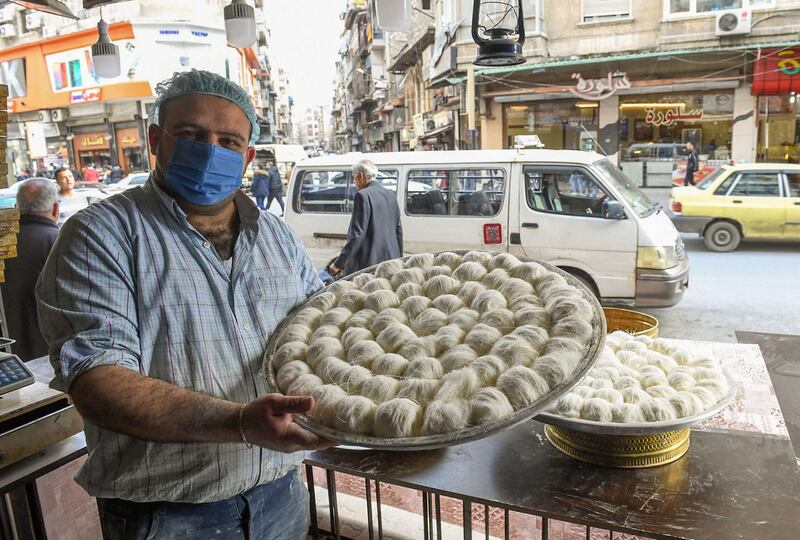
639,428
429,442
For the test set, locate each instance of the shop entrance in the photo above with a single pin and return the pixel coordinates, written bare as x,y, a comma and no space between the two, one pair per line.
560,124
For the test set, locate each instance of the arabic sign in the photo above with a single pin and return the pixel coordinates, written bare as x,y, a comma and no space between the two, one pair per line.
670,116
599,89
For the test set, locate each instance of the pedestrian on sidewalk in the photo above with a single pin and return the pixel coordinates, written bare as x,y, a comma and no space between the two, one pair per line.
275,187
375,233
692,163
37,201
260,187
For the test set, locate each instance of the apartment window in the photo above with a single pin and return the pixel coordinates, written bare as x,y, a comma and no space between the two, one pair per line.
605,10
693,7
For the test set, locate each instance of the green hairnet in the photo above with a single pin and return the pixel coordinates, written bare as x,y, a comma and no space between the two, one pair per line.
197,81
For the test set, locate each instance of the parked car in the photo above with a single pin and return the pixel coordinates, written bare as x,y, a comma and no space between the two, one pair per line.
132,180
758,201
575,210
11,191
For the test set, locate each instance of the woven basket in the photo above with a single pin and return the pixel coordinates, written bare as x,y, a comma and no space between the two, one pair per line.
632,322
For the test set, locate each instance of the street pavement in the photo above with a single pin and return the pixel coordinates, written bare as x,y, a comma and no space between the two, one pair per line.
755,288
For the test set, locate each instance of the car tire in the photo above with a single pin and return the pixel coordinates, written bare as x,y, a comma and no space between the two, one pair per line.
722,236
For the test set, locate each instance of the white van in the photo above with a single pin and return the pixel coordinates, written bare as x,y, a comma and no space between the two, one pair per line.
575,210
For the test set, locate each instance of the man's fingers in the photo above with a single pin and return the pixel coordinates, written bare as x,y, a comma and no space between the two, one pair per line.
291,404
306,440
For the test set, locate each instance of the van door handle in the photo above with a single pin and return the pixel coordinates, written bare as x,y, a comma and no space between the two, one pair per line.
330,236
530,225
797,204
736,202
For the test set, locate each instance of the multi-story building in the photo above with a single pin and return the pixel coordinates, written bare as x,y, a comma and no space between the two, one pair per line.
633,80
61,112
284,109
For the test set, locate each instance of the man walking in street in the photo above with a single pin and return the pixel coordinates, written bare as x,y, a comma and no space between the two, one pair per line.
37,201
275,187
260,187
157,304
375,233
692,163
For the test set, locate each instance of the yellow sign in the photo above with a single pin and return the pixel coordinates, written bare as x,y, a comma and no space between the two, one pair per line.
127,140
94,141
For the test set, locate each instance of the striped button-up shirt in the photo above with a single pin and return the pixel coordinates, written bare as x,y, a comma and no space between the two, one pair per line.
131,283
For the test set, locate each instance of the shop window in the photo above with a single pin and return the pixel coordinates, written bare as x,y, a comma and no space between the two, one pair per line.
604,10
793,180
757,185
461,192
564,191
332,192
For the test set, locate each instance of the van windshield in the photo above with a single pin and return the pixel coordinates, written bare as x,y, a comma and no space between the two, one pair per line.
628,191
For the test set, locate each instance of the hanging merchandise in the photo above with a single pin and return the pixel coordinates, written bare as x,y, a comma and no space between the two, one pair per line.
494,22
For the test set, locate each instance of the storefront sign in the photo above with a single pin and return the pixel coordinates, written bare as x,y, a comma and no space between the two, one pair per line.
442,119
127,140
85,96
93,141
599,89
670,116
777,72
12,74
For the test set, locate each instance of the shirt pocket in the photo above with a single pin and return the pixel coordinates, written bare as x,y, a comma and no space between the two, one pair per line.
277,293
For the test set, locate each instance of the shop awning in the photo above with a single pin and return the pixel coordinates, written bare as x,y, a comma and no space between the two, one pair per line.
777,72
450,79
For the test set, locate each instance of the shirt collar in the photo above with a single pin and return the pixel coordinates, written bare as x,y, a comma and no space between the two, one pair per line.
31,218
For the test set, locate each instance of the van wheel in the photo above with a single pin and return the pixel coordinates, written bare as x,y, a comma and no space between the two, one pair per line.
585,280
722,236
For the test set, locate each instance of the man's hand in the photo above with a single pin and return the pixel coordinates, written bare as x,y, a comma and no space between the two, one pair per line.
333,269
267,421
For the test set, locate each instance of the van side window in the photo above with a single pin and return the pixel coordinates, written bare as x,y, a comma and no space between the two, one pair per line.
332,192
794,184
564,191
459,192
326,192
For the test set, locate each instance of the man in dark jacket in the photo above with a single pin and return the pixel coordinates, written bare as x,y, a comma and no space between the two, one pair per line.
260,187
38,205
692,163
375,233
275,187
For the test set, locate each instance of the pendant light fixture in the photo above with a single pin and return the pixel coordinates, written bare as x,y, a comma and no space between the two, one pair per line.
394,15
105,54
240,24
494,22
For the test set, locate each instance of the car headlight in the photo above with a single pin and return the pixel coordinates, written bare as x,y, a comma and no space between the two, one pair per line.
657,258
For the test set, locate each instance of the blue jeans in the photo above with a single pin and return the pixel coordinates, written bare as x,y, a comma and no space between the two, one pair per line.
260,202
273,511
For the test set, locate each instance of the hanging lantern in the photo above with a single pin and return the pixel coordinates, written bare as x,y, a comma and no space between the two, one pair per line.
494,23
394,15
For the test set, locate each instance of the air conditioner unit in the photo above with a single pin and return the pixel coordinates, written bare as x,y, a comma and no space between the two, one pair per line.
48,32
8,30
734,22
7,13
33,21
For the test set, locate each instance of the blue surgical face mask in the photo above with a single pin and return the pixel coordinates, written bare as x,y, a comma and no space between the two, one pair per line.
203,174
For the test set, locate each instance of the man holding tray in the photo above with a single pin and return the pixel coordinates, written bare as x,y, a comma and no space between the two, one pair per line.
157,305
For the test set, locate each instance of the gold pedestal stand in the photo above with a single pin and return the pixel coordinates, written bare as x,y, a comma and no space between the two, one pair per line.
621,451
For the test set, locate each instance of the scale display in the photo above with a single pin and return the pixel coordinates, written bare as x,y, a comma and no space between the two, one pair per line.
13,374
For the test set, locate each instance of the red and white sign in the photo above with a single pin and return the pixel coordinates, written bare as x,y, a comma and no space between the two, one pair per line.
87,95
777,72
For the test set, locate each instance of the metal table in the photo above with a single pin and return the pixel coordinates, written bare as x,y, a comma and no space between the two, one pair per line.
740,478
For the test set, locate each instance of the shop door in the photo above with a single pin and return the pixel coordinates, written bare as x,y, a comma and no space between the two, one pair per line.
792,205
561,222
755,201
